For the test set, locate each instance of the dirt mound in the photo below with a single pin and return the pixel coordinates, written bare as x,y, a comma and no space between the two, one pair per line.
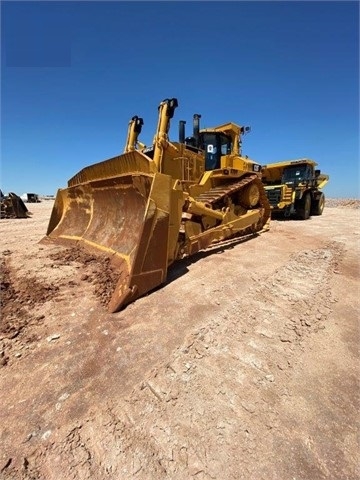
20,299
343,202
95,269
19,296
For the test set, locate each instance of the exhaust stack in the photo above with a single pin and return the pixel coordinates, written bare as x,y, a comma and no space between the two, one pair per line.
196,129
182,131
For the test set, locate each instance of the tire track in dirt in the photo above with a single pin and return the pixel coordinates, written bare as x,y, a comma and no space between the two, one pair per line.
168,427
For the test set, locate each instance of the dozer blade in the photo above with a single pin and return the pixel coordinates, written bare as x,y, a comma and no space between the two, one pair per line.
12,206
127,217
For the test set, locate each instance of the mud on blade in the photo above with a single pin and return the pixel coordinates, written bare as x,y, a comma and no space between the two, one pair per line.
125,217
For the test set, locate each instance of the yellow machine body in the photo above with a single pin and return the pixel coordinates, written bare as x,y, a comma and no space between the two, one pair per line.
294,187
151,206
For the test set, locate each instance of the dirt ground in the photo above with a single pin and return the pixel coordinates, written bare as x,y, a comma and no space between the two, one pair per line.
245,365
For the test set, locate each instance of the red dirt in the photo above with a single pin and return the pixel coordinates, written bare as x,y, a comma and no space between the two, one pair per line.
245,365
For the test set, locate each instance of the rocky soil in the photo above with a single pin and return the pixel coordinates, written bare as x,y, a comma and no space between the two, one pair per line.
245,365
343,202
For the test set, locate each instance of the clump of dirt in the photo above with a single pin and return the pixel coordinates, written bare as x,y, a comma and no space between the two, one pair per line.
74,254
19,298
7,289
8,294
96,269
19,292
104,281
20,301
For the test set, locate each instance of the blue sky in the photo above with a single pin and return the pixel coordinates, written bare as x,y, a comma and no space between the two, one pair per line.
74,73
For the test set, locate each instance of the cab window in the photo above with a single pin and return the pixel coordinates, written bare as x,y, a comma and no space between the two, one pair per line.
214,145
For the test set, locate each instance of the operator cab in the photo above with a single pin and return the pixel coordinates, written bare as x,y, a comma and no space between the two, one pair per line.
296,174
215,145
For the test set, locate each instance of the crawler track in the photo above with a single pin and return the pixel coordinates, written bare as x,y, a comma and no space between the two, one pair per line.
217,195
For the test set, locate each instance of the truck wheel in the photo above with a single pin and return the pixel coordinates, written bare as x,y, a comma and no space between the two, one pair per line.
318,206
304,207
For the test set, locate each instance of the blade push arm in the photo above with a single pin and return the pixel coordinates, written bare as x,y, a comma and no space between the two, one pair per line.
134,130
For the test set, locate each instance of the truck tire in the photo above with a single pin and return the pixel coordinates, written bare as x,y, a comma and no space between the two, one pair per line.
304,209
317,207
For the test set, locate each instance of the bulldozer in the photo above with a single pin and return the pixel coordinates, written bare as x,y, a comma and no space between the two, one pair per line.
294,188
12,206
152,206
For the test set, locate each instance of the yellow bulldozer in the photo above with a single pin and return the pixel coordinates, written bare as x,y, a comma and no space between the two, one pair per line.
151,206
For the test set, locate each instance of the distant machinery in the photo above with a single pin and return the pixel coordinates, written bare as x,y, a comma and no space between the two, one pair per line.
11,206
